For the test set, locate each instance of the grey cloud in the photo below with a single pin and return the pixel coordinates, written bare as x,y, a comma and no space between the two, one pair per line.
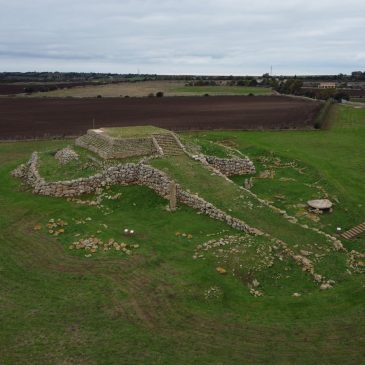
168,36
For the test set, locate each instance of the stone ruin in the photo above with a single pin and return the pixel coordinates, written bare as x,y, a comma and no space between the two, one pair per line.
155,141
66,155
232,166
166,143
150,141
127,174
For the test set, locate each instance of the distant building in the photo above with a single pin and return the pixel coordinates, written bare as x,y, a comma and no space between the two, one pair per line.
356,74
327,85
356,85
310,84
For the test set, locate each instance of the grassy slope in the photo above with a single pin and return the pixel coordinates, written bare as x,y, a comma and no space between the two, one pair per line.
57,306
336,155
215,189
134,132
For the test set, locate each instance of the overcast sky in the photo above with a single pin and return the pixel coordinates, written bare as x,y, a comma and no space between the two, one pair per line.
237,37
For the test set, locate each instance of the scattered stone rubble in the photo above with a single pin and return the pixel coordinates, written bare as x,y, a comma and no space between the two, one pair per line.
267,174
229,246
213,293
305,263
92,244
356,261
66,155
256,293
56,227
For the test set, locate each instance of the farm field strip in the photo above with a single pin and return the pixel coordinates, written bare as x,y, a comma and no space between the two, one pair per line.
27,118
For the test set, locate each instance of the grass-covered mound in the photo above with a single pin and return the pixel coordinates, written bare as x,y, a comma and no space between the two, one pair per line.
134,132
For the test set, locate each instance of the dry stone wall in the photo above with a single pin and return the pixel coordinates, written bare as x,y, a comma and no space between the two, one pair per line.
127,174
233,166
133,147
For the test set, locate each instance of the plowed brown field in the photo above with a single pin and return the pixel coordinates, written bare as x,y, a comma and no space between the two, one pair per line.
29,118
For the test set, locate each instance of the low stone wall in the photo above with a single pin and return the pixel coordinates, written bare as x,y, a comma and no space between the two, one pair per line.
233,166
207,208
123,175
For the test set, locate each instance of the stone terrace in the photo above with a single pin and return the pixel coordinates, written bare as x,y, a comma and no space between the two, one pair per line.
111,143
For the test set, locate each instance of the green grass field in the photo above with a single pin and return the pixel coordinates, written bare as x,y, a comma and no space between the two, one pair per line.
159,305
145,88
334,159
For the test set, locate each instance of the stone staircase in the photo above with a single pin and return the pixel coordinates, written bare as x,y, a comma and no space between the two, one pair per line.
169,145
353,232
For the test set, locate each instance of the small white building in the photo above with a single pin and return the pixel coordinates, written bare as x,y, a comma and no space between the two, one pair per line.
327,85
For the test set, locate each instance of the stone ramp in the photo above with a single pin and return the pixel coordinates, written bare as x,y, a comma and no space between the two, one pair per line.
168,144
353,232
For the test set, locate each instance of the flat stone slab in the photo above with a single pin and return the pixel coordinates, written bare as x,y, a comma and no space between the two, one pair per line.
320,204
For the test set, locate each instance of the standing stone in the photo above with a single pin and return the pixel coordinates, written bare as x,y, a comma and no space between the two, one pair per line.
248,184
172,194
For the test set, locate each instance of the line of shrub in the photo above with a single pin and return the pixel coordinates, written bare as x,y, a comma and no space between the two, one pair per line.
321,121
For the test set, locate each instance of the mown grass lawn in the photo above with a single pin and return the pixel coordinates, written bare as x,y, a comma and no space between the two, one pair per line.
58,306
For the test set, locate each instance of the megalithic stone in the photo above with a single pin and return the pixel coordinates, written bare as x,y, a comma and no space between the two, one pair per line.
172,193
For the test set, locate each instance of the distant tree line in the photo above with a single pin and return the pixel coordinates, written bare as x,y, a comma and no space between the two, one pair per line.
9,77
239,82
